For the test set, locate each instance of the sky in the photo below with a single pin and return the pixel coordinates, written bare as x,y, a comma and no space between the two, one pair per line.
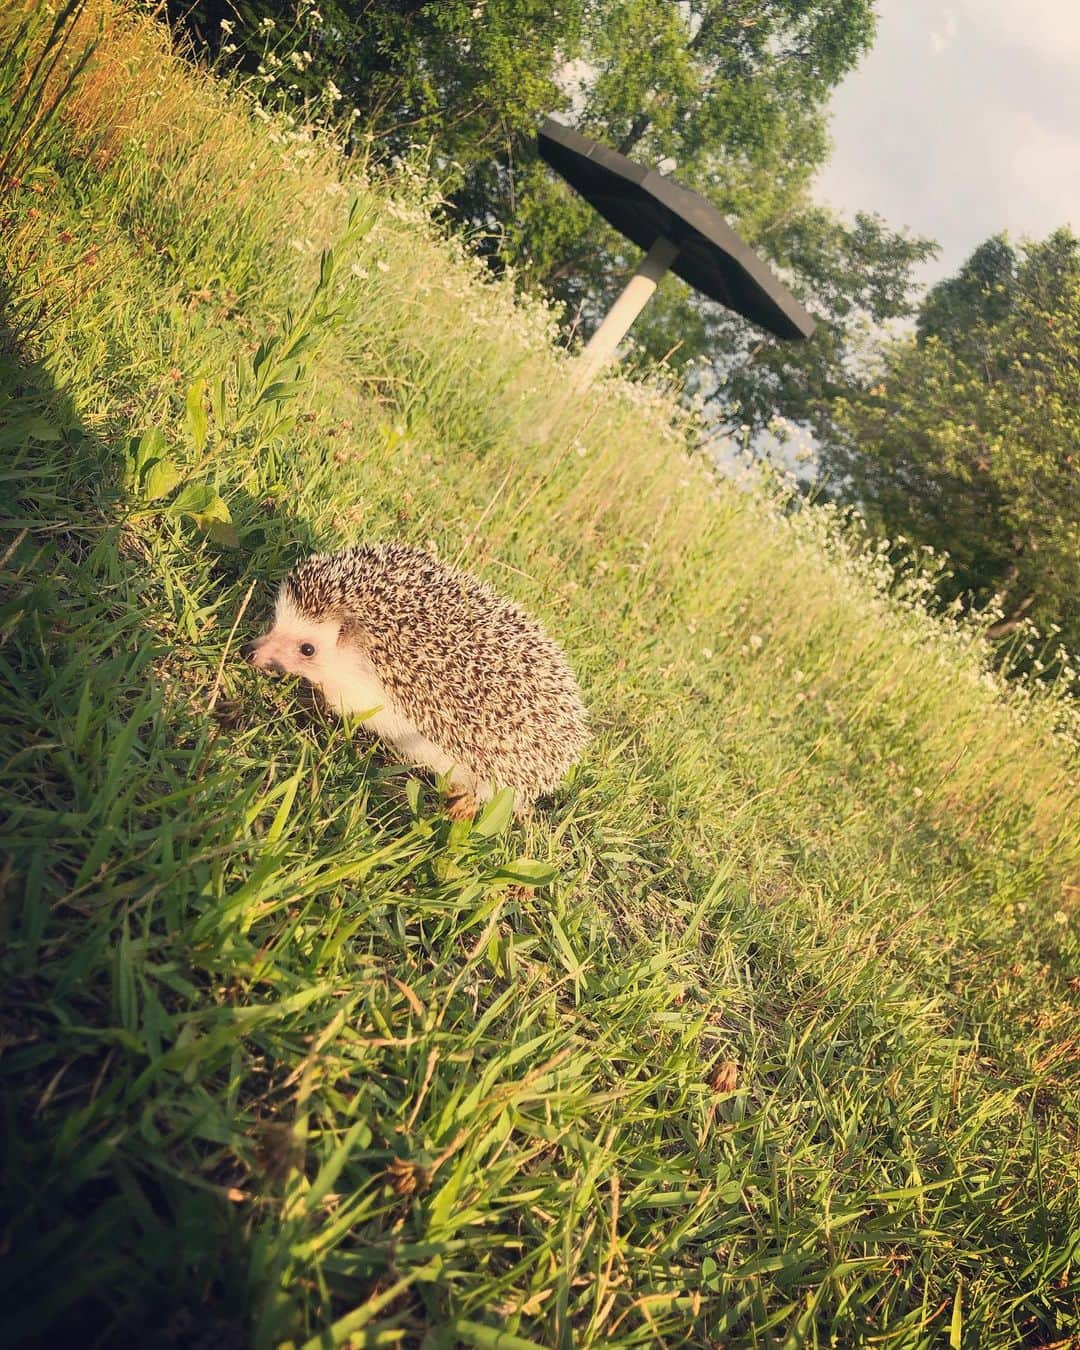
962,121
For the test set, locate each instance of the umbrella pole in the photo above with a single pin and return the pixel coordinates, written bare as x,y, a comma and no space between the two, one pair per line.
602,345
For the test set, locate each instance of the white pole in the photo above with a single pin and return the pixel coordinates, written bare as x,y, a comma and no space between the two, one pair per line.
616,324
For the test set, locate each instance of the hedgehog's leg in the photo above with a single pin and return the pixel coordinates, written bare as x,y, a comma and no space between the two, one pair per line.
461,805
411,744
475,792
464,794
415,748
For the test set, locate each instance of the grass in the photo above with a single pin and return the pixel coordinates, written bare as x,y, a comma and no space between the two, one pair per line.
765,1033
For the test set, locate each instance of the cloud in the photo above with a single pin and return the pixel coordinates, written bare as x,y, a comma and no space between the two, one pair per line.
963,120
1044,167
1049,28
942,37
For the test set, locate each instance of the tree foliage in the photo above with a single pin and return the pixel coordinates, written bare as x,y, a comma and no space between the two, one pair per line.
968,439
732,92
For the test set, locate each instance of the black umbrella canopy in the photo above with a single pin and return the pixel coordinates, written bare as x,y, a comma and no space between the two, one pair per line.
645,206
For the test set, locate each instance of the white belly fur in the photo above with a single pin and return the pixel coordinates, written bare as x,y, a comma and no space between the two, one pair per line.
360,693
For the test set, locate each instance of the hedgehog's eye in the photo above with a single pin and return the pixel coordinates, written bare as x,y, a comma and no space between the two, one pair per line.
307,649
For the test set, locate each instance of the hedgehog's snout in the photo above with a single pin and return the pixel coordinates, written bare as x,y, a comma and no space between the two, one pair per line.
255,654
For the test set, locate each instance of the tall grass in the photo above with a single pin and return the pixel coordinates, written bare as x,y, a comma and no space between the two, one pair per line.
765,1033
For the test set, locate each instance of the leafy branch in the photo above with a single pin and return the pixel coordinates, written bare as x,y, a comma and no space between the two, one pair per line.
266,384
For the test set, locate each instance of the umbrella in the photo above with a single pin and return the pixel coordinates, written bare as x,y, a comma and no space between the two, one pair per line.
680,232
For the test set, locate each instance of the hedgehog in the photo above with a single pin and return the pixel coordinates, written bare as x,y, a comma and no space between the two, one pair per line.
451,675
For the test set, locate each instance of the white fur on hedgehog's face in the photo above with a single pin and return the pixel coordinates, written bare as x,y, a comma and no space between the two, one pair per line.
310,648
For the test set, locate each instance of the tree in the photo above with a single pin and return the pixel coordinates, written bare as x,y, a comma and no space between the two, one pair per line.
980,295
968,437
466,77
732,91
852,278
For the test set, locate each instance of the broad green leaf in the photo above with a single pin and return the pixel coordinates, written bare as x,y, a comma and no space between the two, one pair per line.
196,499
528,872
150,446
217,402
220,531
196,413
37,428
496,814
202,501
162,476
281,390
208,511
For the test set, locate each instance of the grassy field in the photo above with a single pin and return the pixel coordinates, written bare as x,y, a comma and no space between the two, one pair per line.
765,1033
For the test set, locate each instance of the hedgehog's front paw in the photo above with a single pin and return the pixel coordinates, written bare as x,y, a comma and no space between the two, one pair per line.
461,804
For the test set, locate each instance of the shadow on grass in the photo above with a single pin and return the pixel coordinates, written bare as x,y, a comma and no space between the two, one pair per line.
120,1226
